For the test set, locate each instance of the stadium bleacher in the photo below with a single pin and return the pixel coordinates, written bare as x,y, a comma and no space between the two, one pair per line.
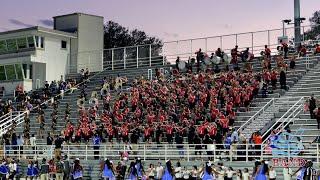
302,82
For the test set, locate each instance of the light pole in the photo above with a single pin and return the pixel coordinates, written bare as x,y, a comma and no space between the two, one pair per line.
283,28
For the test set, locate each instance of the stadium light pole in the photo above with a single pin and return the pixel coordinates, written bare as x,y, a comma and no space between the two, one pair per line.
283,28
297,23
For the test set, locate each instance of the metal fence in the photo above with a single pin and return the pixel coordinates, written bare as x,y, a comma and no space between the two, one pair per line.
162,152
153,55
9,119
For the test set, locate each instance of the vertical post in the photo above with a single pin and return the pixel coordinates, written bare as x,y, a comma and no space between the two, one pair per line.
144,152
86,152
163,54
236,39
165,152
303,33
252,42
150,55
269,38
68,153
247,153
104,150
89,60
206,45
188,153
318,152
214,153
4,150
112,59
191,53
283,29
137,56
221,42
19,152
297,23
124,58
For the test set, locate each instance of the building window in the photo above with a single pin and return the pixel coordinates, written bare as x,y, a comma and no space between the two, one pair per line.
31,42
22,43
39,42
11,72
12,45
2,73
63,44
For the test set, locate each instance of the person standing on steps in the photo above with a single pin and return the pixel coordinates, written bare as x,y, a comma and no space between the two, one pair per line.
312,106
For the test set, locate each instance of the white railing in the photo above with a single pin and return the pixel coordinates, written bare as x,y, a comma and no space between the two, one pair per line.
162,152
151,54
287,117
16,117
257,114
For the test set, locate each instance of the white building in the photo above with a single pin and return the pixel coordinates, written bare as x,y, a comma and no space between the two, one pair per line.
34,55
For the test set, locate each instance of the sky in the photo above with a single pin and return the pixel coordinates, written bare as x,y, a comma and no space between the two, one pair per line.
166,19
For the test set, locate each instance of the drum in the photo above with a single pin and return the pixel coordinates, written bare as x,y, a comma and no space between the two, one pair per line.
227,58
216,59
182,65
207,61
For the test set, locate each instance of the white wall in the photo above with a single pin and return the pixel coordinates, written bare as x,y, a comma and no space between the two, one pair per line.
53,56
16,60
10,86
90,39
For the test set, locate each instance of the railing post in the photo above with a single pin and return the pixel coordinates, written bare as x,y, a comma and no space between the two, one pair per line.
247,153
68,152
165,152
214,153
137,56
124,58
252,42
269,38
104,150
236,39
4,150
230,152
206,45
191,53
150,55
261,152
144,152
112,59
318,152
86,152
188,153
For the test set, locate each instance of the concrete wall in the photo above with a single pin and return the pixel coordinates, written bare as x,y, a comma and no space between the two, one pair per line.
90,39
54,58
16,60
10,86
87,49
67,23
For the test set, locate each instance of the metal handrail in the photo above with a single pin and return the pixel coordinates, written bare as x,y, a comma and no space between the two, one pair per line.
281,119
258,113
159,151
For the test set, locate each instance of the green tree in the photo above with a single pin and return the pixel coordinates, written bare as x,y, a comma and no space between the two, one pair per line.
314,32
116,35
